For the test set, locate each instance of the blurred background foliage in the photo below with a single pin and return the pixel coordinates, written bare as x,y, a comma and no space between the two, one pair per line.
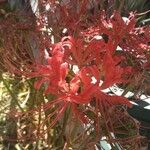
17,95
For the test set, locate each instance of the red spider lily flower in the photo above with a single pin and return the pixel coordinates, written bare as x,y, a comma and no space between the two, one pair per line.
54,79
120,32
128,37
80,90
53,73
88,88
82,53
113,73
69,93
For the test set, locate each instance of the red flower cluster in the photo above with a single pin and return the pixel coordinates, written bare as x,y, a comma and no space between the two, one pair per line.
90,47
75,55
93,53
94,62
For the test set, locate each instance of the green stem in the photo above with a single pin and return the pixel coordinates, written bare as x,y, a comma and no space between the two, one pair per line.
12,94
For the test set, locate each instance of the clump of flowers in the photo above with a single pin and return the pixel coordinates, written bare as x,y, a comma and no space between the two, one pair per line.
76,68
